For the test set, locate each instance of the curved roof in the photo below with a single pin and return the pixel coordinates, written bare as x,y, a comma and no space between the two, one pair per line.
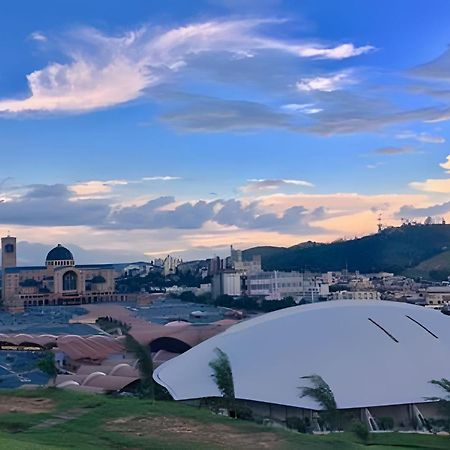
371,353
59,253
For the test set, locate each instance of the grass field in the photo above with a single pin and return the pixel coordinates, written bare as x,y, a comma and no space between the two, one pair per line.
57,419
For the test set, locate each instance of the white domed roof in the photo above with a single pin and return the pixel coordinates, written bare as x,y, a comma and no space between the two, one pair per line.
371,353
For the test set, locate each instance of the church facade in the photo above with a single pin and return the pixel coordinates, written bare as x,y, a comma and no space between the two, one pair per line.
59,282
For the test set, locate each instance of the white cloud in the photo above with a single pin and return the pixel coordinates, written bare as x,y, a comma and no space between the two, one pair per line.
95,187
325,84
340,52
306,108
108,70
421,137
163,178
446,165
436,185
38,36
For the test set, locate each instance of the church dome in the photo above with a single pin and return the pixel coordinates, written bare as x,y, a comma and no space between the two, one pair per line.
59,253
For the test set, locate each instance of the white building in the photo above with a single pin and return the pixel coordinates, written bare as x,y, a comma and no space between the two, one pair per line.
355,295
227,282
377,358
276,285
170,265
437,295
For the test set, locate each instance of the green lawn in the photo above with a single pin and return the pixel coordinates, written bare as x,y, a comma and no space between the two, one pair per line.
129,423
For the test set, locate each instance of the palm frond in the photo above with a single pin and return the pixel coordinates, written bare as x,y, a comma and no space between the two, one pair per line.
320,391
144,363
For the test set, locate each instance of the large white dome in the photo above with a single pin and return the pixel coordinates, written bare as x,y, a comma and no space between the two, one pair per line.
371,353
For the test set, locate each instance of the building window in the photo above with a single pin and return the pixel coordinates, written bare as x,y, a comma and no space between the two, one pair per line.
70,281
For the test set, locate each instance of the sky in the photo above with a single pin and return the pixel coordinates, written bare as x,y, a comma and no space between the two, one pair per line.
131,130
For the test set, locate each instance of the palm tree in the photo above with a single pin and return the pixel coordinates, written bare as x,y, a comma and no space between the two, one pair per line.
47,365
145,365
443,402
321,392
223,376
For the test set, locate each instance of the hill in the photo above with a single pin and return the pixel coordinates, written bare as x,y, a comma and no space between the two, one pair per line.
394,249
435,268
67,420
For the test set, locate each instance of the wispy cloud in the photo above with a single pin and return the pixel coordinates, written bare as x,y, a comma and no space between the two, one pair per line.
395,150
264,184
100,188
421,137
108,70
305,108
328,83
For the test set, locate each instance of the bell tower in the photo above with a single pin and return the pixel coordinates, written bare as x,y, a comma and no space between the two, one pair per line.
9,254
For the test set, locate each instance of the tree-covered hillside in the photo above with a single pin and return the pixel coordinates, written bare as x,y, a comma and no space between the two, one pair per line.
392,250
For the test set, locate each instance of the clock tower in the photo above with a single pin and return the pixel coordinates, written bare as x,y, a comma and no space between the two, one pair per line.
9,252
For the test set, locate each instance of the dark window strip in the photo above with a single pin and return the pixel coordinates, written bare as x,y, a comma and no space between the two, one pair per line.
382,329
423,326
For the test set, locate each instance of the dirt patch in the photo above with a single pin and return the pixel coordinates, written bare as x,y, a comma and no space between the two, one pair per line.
25,405
173,428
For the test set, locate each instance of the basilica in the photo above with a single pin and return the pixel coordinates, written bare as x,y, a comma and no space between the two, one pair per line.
59,282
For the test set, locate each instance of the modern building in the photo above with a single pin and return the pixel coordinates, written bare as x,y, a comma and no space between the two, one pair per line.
377,357
58,282
170,265
226,282
276,285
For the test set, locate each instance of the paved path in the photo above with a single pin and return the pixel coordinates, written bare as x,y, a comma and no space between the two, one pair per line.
60,418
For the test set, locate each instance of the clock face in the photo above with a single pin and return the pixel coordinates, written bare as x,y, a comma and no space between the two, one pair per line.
9,248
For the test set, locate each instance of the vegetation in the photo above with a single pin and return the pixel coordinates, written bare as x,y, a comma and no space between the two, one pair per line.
47,365
392,250
361,431
227,301
444,402
126,423
223,377
156,281
112,326
145,365
321,392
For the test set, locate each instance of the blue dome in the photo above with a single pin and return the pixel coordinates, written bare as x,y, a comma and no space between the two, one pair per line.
59,253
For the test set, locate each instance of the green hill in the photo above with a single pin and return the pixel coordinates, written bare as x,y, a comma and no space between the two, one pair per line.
54,419
394,249
435,268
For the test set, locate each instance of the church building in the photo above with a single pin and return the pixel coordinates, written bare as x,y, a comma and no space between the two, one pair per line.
59,282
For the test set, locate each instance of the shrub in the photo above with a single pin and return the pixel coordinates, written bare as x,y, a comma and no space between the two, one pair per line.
386,423
361,431
302,425
243,413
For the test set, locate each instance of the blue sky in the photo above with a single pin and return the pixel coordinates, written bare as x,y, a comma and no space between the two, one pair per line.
133,129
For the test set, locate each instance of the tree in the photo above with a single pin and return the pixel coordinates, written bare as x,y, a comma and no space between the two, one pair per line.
223,376
145,365
47,365
443,402
321,392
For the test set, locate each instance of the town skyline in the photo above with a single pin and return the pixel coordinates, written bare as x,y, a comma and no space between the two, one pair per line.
132,132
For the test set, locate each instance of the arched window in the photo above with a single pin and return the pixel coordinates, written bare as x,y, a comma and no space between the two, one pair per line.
70,281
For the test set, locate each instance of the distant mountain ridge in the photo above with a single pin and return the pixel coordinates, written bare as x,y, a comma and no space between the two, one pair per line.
394,249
